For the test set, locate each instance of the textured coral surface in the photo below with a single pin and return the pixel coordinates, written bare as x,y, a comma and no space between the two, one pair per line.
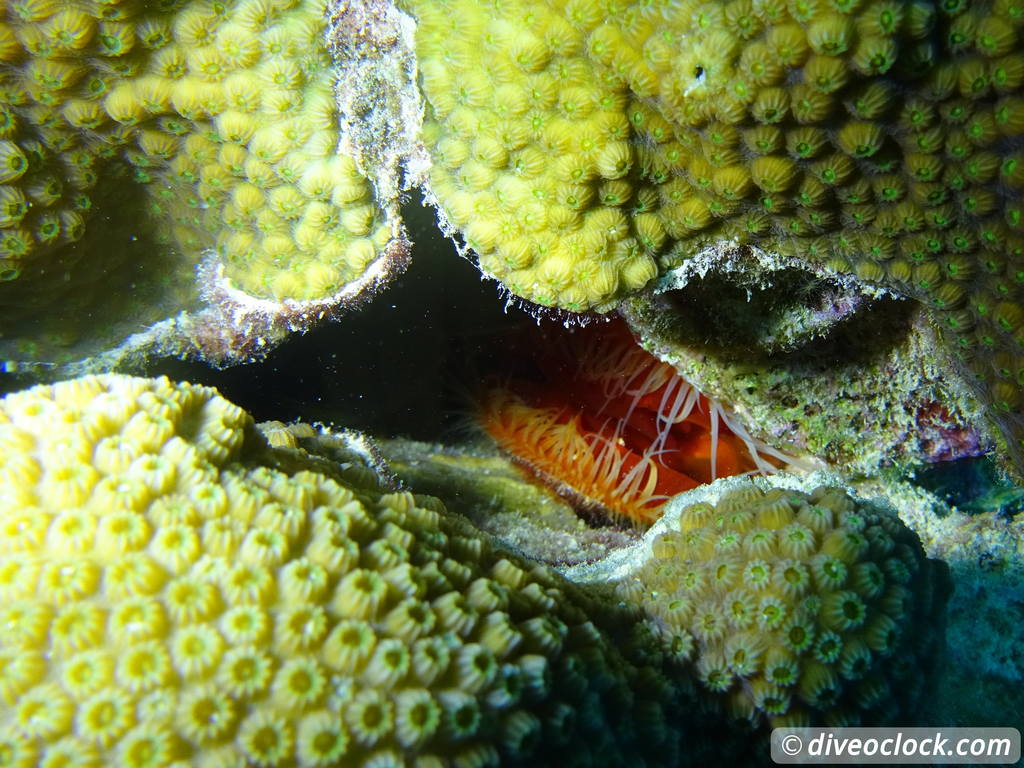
224,112
175,591
531,151
583,147
868,392
800,608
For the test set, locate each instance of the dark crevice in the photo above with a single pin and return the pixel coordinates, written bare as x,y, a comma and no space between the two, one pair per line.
797,319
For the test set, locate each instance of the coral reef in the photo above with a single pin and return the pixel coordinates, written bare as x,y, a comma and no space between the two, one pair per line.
977,682
175,590
226,116
677,575
226,112
583,149
808,211
531,151
579,153
579,150
800,608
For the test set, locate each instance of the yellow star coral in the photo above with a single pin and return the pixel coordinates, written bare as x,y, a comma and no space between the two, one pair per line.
800,608
173,591
582,147
226,113
532,153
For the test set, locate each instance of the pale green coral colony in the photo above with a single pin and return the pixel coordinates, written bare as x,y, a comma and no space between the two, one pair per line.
226,113
799,607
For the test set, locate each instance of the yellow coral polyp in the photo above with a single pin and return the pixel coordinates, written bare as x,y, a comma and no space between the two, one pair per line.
124,106
70,30
860,139
10,47
773,174
53,75
13,163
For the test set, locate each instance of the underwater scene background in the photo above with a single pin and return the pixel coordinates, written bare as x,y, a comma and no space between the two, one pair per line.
526,382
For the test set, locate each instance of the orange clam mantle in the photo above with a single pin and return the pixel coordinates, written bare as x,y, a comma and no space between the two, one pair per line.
615,430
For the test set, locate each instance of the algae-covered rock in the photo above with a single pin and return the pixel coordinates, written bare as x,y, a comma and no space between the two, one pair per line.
812,362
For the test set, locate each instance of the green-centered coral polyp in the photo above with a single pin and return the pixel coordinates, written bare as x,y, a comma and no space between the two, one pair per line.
583,146
168,597
799,608
533,158
225,111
